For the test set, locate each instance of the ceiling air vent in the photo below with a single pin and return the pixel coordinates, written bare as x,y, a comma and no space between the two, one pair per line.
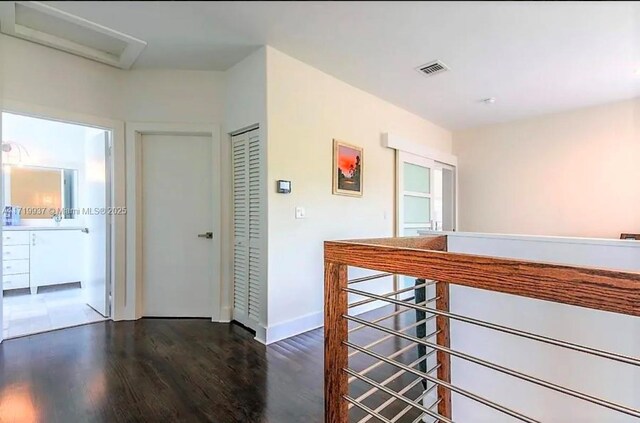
433,68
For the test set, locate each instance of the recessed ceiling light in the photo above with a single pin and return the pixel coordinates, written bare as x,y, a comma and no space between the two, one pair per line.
637,72
489,100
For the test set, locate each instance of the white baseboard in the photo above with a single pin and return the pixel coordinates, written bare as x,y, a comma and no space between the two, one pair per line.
261,335
292,327
225,315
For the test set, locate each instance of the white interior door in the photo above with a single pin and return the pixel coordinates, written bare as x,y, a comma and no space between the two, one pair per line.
95,196
177,213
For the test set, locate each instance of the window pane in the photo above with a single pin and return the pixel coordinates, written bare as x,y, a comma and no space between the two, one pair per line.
416,178
416,209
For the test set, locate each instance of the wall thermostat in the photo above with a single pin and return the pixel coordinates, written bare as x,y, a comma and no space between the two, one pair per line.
284,187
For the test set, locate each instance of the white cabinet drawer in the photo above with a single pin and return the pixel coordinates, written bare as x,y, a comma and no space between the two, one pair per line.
14,267
15,252
15,238
15,281
56,257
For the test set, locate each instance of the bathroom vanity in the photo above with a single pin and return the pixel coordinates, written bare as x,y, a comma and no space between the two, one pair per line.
35,256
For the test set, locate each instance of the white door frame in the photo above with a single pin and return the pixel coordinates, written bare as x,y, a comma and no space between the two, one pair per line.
134,277
116,171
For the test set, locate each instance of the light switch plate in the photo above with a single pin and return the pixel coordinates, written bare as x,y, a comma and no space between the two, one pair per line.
300,212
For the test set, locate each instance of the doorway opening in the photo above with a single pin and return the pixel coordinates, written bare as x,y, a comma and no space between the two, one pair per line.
55,224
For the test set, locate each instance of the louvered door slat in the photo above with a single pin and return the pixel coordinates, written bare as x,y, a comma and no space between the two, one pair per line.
249,269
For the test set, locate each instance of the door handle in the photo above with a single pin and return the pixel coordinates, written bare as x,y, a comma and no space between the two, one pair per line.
207,235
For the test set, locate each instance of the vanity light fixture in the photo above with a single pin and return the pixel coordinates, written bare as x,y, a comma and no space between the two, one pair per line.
8,147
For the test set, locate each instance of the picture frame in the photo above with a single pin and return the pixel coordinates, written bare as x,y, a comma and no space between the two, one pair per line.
348,169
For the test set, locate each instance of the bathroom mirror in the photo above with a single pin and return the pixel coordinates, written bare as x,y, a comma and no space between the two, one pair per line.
39,192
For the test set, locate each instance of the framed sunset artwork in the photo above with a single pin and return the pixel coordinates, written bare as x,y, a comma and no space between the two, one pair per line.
347,169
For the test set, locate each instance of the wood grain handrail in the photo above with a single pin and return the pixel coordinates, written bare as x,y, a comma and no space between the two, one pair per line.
600,289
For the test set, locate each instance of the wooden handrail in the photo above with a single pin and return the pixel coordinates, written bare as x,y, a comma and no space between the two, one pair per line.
427,258
600,289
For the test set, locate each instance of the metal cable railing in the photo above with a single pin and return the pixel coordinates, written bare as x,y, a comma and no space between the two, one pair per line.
393,363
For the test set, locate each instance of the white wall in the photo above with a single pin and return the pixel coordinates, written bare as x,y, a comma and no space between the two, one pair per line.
245,101
307,109
36,75
42,76
570,174
172,96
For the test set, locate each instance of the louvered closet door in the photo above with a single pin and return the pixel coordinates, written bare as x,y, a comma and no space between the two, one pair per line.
248,228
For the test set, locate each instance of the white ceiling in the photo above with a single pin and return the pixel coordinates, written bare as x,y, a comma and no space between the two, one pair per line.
535,58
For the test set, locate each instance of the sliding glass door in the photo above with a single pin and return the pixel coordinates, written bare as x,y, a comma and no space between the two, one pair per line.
415,176
425,195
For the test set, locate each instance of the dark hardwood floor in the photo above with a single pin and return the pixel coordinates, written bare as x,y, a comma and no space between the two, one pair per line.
166,370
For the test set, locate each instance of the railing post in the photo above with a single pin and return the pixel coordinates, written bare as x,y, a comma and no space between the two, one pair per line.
336,384
444,359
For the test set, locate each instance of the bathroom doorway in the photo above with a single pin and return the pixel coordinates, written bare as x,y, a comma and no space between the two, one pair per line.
55,224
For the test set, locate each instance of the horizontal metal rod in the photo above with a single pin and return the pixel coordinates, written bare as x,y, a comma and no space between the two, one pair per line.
369,278
408,408
419,418
380,363
422,395
384,338
398,374
390,400
540,382
447,385
575,347
400,397
388,294
366,409
401,392
380,319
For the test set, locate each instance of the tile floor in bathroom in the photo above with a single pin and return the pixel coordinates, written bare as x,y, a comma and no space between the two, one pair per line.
51,308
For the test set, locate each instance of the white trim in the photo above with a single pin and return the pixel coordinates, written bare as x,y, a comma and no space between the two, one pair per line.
134,132
408,146
117,161
290,328
624,243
